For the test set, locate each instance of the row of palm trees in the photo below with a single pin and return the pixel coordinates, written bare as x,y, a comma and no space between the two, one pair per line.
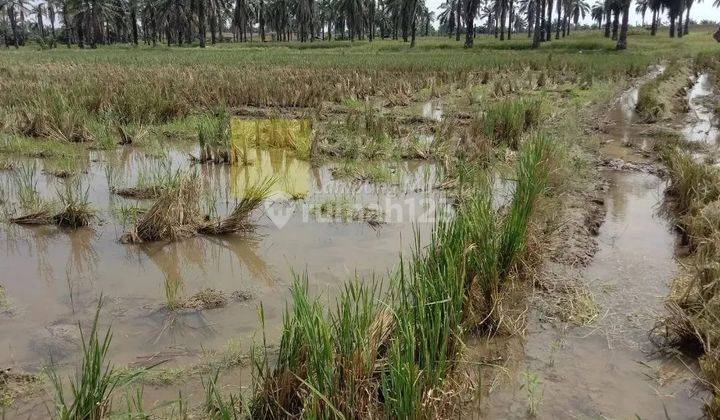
503,17
93,22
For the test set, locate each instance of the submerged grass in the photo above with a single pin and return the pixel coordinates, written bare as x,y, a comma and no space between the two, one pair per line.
72,209
75,210
377,172
342,208
150,183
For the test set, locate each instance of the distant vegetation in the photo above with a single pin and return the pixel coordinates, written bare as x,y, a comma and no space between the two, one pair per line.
99,22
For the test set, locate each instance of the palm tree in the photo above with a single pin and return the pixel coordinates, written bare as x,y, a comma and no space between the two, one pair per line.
133,9
446,16
548,29
641,7
14,8
674,9
427,17
578,10
39,11
597,12
656,6
688,5
51,17
527,7
616,7
607,6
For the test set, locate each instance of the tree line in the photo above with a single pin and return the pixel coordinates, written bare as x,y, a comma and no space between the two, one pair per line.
188,22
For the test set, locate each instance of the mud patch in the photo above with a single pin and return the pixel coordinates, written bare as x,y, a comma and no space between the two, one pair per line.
575,244
630,166
16,385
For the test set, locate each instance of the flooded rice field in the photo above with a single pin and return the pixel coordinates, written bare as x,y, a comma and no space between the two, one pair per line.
554,282
53,276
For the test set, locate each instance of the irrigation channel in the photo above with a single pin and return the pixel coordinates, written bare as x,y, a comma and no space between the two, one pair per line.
605,364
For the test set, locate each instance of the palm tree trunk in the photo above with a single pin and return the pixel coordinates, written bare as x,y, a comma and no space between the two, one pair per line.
680,24
413,28
686,30
559,19
503,18
458,18
511,19
607,19
531,20
615,24
622,39
538,24
51,16
653,27
13,26
213,25
543,5
672,26
201,22
261,20
68,30
469,23
81,29
133,21
41,25
548,31
153,23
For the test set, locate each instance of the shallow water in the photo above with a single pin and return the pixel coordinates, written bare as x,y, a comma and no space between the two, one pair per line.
54,277
701,123
433,110
607,369
623,113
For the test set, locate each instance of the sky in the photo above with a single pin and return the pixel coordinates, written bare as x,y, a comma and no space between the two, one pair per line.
699,11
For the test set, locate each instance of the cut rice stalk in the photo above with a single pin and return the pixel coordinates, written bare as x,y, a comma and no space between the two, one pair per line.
175,215
237,221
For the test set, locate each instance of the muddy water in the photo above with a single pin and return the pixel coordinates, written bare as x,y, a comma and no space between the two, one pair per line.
701,123
623,115
54,277
606,369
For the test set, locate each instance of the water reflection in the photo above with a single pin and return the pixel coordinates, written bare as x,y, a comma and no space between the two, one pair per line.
701,124
292,176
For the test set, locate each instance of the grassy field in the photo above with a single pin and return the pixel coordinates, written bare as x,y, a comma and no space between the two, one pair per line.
390,351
